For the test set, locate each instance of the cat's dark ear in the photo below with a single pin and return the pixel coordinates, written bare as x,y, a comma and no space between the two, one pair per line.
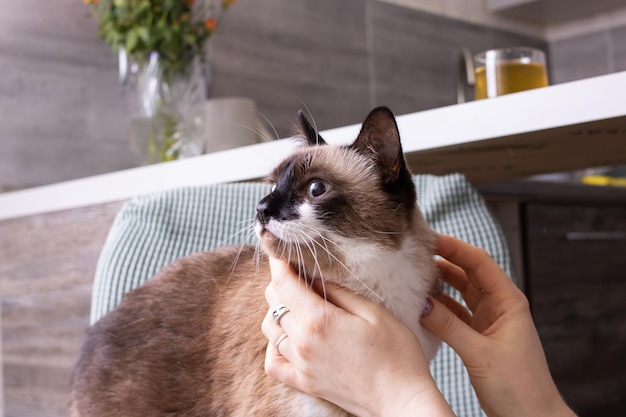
310,133
380,140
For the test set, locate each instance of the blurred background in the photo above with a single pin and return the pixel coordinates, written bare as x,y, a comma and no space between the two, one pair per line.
63,114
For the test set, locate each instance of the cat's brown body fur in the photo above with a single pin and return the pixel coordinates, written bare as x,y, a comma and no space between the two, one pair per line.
190,331
189,342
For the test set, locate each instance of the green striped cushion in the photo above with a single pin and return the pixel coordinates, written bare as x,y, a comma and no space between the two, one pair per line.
151,231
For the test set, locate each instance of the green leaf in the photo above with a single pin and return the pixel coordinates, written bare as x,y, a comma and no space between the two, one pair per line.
131,41
143,26
144,6
189,39
144,34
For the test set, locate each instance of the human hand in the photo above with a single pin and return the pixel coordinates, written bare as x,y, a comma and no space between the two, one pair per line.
347,350
497,341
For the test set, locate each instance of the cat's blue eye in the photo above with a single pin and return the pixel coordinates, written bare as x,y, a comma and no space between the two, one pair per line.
317,188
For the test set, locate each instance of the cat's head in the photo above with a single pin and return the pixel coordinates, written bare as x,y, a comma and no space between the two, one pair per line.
328,203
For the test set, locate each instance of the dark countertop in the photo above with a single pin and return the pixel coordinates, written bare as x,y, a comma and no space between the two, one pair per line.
558,192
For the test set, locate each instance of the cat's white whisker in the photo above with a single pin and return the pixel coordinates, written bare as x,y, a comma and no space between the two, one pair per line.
267,120
235,260
324,239
310,240
355,276
242,246
325,246
257,131
300,236
311,247
247,231
301,263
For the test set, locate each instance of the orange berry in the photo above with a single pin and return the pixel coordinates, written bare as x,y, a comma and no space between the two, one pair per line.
210,24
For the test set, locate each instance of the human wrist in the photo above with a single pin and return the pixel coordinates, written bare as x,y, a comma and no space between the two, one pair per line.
551,404
560,409
418,402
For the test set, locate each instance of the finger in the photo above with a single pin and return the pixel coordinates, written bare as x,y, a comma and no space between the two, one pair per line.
271,296
290,288
457,308
269,328
480,268
456,277
348,301
278,367
274,335
302,301
273,300
281,345
444,324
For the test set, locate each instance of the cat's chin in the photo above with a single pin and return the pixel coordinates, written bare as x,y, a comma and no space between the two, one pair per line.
268,241
308,267
264,235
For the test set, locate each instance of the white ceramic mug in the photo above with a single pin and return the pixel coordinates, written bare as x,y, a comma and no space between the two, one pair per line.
232,122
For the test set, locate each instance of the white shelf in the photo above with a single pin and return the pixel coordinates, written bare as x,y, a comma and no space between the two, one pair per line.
567,126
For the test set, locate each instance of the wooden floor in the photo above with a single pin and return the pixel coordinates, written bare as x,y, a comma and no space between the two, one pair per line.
47,264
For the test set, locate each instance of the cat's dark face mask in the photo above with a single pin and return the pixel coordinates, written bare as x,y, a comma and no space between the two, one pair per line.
322,194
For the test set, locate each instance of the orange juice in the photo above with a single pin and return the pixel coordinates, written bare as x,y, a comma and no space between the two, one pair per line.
510,77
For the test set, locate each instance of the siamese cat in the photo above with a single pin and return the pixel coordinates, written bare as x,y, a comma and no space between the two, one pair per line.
188,343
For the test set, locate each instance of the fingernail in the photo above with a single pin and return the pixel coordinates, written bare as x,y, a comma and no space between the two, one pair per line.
427,307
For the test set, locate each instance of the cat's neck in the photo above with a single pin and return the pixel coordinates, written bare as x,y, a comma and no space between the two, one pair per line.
398,278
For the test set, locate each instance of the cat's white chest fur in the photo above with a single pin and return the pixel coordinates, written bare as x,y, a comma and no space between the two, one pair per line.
399,279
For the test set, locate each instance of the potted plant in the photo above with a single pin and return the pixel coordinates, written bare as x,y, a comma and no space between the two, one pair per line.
161,45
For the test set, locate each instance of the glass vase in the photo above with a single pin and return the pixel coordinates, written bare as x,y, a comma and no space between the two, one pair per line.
166,111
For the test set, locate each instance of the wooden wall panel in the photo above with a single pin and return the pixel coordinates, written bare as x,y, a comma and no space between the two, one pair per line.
589,55
297,54
63,114
47,264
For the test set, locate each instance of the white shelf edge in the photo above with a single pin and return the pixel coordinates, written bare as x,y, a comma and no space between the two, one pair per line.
597,98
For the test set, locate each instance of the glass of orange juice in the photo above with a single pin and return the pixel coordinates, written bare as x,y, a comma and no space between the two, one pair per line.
508,70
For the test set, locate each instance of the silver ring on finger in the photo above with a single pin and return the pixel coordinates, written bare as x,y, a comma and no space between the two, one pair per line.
279,341
278,312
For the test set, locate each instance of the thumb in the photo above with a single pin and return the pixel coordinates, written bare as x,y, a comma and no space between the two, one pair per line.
345,299
444,324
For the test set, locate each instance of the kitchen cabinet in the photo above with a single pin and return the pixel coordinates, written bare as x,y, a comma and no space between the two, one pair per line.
576,260
573,251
